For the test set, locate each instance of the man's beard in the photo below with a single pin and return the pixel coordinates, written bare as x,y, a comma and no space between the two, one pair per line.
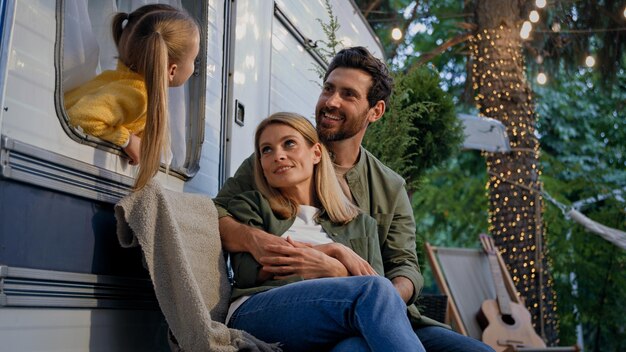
328,136
344,131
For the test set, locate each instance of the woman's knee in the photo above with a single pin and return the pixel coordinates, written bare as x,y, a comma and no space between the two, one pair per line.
378,290
381,284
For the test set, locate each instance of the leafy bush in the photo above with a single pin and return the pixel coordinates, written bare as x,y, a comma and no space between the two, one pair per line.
420,129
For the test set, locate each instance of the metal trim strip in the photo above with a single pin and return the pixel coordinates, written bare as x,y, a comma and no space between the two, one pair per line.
24,287
23,162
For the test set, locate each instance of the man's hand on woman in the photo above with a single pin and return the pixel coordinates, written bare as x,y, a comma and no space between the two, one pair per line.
237,237
356,265
301,260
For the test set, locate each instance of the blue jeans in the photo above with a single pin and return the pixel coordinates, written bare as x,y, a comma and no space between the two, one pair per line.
438,339
318,315
433,338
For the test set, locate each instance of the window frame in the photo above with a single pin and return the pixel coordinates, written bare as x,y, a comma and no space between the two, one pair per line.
197,83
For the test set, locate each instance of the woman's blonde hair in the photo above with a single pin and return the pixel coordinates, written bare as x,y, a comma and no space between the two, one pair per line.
148,40
339,208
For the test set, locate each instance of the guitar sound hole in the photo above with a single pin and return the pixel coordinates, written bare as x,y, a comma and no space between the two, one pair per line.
508,319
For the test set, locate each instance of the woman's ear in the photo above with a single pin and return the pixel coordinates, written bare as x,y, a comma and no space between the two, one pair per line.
317,153
171,72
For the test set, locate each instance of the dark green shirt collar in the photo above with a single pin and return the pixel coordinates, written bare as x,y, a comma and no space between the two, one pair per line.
357,181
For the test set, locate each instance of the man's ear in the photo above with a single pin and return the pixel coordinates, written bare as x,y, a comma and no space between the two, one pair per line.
376,111
171,72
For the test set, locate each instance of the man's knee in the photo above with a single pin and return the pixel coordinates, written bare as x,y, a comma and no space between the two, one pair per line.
435,338
352,344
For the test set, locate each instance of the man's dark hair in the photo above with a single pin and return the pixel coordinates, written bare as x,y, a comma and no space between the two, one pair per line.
360,58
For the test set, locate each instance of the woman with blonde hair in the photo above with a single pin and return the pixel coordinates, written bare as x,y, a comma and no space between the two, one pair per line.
157,46
340,209
300,199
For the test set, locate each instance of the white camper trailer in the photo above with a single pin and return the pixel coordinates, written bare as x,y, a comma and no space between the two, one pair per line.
65,283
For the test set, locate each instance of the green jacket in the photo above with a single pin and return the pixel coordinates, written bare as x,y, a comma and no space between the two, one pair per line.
379,192
253,209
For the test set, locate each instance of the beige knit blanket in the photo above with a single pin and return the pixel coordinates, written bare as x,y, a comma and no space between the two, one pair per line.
179,237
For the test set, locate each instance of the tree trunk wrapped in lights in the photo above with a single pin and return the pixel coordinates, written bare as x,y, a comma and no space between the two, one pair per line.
515,207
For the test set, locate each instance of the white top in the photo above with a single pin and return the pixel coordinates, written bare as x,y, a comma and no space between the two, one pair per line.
304,229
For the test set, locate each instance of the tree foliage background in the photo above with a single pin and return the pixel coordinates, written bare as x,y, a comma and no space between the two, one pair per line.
420,129
582,129
584,134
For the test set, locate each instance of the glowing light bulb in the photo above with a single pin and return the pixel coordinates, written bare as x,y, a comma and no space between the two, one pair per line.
396,34
525,31
556,27
540,3
590,61
542,78
533,16
624,11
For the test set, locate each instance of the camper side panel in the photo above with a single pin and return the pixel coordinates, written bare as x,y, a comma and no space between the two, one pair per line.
249,102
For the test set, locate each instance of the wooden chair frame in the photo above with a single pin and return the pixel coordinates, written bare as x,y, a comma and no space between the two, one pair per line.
453,315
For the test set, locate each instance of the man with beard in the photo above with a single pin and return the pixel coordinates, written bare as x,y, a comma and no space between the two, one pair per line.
355,93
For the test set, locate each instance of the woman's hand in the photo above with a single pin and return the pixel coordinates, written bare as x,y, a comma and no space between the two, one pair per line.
301,260
356,265
133,149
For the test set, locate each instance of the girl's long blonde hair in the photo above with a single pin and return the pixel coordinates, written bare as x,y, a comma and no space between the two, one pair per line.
339,208
148,40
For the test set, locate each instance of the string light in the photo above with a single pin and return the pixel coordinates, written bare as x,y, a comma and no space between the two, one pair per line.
396,34
540,3
525,31
515,206
542,78
533,16
624,11
590,61
556,27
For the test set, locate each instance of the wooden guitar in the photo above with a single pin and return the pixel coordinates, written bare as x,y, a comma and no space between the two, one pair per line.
504,323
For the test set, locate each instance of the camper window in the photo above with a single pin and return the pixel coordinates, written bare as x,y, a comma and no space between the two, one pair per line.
88,49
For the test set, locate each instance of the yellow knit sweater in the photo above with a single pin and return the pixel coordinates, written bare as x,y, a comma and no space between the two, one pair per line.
111,106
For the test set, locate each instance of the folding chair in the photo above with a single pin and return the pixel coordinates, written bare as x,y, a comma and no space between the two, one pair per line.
465,277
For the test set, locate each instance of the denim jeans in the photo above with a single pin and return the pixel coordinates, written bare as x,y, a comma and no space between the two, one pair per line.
438,339
433,339
317,315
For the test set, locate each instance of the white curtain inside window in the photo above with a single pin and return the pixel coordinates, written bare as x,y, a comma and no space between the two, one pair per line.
80,48
89,49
